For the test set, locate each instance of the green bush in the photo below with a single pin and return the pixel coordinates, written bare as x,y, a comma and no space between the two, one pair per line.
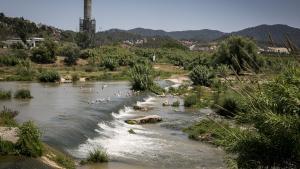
191,100
176,104
201,75
239,53
65,161
217,132
8,61
110,63
49,76
97,156
5,94
75,77
141,77
229,107
21,54
29,143
23,94
45,53
71,53
25,69
7,148
7,117
85,54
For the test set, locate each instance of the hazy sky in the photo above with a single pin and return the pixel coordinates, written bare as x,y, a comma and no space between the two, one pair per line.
170,15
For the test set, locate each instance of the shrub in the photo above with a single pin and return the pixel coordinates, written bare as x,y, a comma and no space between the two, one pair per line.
5,94
176,104
25,69
141,77
8,61
29,142
97,156
21,53
238,52
229,107
85,54
7,117
223,71
71,53
110,63
75,77
7,148
190,100
201,75
49,76
23,94
45,53
65,161
211,129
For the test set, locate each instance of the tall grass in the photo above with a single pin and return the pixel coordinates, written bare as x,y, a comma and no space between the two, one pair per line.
96,156
270,135
23,94
141,76
49,76
5,94
7,117
29,143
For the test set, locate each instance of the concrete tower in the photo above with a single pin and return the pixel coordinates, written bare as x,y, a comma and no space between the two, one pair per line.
87,9
87,24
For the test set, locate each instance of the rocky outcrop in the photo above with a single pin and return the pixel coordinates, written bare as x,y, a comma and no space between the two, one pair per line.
144,120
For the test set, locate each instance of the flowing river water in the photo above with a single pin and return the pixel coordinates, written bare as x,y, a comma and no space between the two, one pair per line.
77,118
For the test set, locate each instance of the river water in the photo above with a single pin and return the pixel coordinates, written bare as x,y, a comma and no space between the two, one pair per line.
77,118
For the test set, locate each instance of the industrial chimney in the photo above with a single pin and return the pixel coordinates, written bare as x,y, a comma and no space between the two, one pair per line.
87,24
87,9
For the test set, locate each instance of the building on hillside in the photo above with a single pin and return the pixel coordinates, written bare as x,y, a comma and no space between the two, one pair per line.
274,50
34,41
31,42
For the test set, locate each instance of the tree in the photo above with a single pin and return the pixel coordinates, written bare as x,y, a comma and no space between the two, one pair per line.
24,28
239,53
45,53
141,77
71,52
201,75
84,40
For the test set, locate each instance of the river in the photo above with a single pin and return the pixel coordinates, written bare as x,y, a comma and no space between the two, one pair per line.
77,118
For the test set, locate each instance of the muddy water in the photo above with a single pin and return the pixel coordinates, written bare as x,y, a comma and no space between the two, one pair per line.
77,118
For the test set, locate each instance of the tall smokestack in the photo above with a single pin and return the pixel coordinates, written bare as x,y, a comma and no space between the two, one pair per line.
87,24
87,9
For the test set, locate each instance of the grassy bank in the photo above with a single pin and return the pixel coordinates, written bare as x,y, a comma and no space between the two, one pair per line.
27,142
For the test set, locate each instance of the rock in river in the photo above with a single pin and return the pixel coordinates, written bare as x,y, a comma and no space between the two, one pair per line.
140,108
145,120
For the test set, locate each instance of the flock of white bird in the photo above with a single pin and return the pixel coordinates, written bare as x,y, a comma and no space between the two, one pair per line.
108,99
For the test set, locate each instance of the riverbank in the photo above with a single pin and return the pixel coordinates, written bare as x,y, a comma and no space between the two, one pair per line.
90,73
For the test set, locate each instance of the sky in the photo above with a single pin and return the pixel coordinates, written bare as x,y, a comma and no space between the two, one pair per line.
169,15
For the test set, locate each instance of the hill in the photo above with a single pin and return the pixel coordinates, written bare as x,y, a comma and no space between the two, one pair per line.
204,35
278,33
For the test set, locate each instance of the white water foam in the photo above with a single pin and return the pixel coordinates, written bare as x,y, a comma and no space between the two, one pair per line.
147,101
125,112
118,142
115,138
